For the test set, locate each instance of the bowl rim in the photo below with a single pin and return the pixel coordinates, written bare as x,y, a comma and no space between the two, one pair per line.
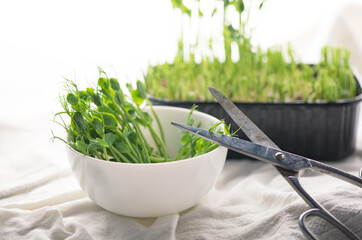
102,161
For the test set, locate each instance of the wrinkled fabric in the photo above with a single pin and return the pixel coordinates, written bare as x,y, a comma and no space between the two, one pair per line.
249,201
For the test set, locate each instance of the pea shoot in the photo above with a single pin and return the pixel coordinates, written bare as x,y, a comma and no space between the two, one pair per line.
253,75
108,124
195,146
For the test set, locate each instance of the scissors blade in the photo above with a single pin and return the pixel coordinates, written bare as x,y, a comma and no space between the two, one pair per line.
270,155
247,126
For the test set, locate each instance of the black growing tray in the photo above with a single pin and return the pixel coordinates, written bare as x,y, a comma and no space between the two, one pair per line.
318,130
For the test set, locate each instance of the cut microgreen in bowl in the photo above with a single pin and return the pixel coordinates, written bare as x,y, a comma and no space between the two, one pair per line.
106,123
196,146
158,188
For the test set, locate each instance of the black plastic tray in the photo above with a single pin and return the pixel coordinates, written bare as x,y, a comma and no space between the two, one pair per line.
318,130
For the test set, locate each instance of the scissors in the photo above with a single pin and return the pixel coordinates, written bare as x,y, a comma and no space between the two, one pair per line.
287,164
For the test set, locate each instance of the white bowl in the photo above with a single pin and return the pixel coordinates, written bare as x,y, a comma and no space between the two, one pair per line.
153,189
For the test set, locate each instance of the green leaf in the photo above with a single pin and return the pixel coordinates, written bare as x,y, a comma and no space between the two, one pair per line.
119,98
129,87
92,132
132,113
137,97
239,4
102,142
113,107
261,5
132,136
96,99
79,122
103,83
126,132
94,147
200,13
98,125
141,121
122,148
90,91
128,106
141,89
199,145
75,129
82,146
114,84
185,139
176,3
213,12
185,9
110,138
105,109
148,118
72,99
83,95
185,151
109,120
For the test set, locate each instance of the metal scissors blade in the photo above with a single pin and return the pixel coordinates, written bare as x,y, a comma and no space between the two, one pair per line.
281,159
296,162
247,126
270,155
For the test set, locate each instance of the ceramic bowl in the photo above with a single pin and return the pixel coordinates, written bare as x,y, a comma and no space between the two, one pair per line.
153,189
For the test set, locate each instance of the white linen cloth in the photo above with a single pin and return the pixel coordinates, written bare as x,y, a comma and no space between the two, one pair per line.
41,199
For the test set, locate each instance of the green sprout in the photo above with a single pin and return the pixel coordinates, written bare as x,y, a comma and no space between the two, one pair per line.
257,76
107,124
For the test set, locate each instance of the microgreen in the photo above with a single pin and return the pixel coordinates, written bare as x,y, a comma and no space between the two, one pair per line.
195,146
108,124
256,76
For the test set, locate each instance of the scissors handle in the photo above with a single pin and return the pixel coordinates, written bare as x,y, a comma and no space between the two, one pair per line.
296,163
334,172
317,209
327,217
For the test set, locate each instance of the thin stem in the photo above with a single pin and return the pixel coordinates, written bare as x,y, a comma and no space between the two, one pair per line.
105,153
121,155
